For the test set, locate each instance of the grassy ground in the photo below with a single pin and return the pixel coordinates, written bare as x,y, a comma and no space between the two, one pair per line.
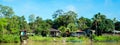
107,38
104,38
58,39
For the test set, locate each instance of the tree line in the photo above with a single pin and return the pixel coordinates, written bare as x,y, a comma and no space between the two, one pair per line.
10,23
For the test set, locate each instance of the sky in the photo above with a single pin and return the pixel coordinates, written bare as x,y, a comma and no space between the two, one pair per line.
45,8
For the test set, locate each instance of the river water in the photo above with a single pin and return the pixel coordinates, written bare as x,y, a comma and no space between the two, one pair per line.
64,43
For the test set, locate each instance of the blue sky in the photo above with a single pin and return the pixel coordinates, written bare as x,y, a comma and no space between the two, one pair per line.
45,8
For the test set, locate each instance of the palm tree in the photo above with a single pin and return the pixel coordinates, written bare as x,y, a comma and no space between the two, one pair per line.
98,20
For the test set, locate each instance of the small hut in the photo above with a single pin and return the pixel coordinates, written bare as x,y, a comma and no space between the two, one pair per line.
78,33
54,32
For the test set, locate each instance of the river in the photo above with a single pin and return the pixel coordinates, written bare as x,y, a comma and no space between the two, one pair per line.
64,43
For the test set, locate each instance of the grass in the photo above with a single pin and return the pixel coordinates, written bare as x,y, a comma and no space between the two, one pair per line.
76,39
58,39
107,38
104,38
40,38
15,38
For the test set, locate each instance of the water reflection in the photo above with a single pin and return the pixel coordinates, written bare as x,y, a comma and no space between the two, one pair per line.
61,43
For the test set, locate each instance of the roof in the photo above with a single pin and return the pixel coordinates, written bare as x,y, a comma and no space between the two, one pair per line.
54,30
116,31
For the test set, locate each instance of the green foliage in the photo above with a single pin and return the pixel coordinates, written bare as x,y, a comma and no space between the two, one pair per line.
82,23
23,23
72,27
64,19
102,24
40,25
3,24
49,21
117,26
9,38
13,25
57,13
6,11
59,39
70,39
62,29
109,25
40,38
32,18
106,38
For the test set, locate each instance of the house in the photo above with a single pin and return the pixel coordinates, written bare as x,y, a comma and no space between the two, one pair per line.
116,31
78,33
54,32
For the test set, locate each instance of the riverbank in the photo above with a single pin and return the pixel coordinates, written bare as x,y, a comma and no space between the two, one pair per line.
16,39
58,39
104,38
61,43
107,38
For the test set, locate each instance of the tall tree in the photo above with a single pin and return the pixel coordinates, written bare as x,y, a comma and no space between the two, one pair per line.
6,11
57,13
41,25
102,24
65,19
32,21
32,18
97,21
82,23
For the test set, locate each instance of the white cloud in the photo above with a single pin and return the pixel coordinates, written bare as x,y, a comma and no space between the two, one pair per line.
71,8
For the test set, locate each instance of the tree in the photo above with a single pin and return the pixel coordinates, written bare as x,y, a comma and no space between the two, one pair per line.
72,27
32,21
22,22
32,18
65,19
13,25
41,25
82,23
3,24
117,25
71,17
57,13
6,11
109,26
88,23
102,24
62,29
49,21
98,18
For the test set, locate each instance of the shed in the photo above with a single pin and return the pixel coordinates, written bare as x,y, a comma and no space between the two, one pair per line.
54,32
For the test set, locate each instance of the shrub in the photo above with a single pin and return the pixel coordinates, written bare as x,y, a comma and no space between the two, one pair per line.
9,38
